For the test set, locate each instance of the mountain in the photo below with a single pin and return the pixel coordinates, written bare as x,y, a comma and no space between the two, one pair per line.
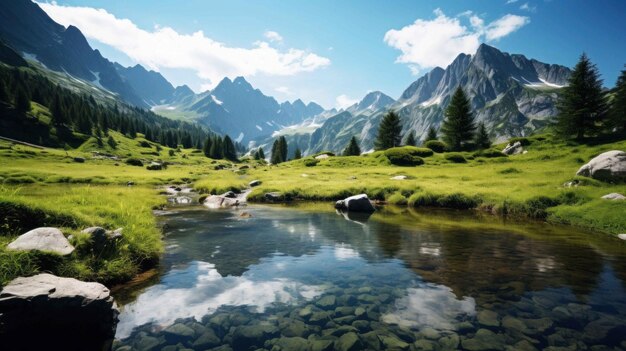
25,27
151,86
371,103
511,94
236,108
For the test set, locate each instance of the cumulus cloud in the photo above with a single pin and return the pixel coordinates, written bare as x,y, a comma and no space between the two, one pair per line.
273,36
163,47
343,101
436,42
527,7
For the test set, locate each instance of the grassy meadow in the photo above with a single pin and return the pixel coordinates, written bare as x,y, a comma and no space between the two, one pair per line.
47,187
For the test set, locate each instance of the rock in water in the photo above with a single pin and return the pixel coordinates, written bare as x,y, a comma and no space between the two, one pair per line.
47,312
608,166
356,203
220,201
43,239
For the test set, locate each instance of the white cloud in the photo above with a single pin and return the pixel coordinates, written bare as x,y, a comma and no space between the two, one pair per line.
284,90
273,36
528,7
343,101
165,48
436,42
511,1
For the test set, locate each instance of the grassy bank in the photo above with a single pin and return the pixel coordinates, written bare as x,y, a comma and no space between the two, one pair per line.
527,185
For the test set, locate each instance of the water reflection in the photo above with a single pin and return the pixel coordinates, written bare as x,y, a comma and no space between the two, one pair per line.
439,279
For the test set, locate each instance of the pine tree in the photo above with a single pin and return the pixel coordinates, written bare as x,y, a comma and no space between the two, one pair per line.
261,153
388,131
482,137
112,143
458,126
410,139
22,101
229,151
277,156
216,149
297,154
583,103
432,134
353,148
283,148
617,112
84,125
58,112
206,149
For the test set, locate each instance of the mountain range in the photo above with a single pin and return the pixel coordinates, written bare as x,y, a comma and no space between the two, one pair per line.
511,94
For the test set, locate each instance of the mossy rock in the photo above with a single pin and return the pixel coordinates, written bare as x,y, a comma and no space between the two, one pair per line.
455,157
407,155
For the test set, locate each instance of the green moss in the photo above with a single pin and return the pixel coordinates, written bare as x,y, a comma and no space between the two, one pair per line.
407,155
455,157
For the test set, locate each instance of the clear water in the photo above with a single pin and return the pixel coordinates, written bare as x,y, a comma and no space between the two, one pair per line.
308,278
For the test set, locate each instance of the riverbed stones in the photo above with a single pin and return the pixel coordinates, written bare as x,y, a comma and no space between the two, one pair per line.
484,340
349,342
58,311
178,332
608,166
245,337
327,302
46,239
488,318
220,201
614,196
356,203
393,343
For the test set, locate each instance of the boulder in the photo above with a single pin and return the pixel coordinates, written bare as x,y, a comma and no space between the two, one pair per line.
79,159
608,166
322,156
356,203
622,236
274,197
254,183
614,196
513,149
229,194
44,310
220,201
399,177
43,239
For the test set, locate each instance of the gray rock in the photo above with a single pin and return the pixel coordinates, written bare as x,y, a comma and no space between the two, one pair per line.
327,302
229,194
349,342
321,345
450,342
484,340
292,344
614,196
59,311
423,345
43,239
274,197
399,177
622,236
254,183
101,238
178,333
154,166
147,343
488,318
320,318
393,343
296,328
356,203
608,166
245,337
513,149
219,201
79,159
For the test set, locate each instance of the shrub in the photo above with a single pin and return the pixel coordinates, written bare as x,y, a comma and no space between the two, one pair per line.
144,143
405,156
397,199
171,152
311,162
455,200
134,162
510,170
436,145
489,153
455,157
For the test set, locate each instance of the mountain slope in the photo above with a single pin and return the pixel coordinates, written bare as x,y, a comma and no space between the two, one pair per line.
511,94
27,28
151,86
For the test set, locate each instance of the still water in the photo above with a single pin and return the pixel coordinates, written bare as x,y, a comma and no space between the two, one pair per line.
307,278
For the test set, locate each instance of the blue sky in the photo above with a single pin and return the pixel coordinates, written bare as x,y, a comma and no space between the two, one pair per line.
334,52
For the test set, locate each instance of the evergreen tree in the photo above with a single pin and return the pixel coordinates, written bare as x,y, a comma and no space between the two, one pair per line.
618,107
229,151
388,131
261,153
22,101
410,139
482,137
458,126
216,149
276,152
282,148
58,112
84,125
353,148
582,104
432,134
112,143
298,154
4,94
206,149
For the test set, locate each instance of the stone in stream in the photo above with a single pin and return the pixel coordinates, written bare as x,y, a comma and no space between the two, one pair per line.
488,318
608,166
322,345
43,239
178,333
349,342
393,343
245,337
356,203
424,345
327,302
450,342
484,340
43,310
220,201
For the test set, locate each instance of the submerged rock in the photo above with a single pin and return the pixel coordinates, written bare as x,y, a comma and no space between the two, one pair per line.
356,203
349,342
43,310
484,340
43,239
608,166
